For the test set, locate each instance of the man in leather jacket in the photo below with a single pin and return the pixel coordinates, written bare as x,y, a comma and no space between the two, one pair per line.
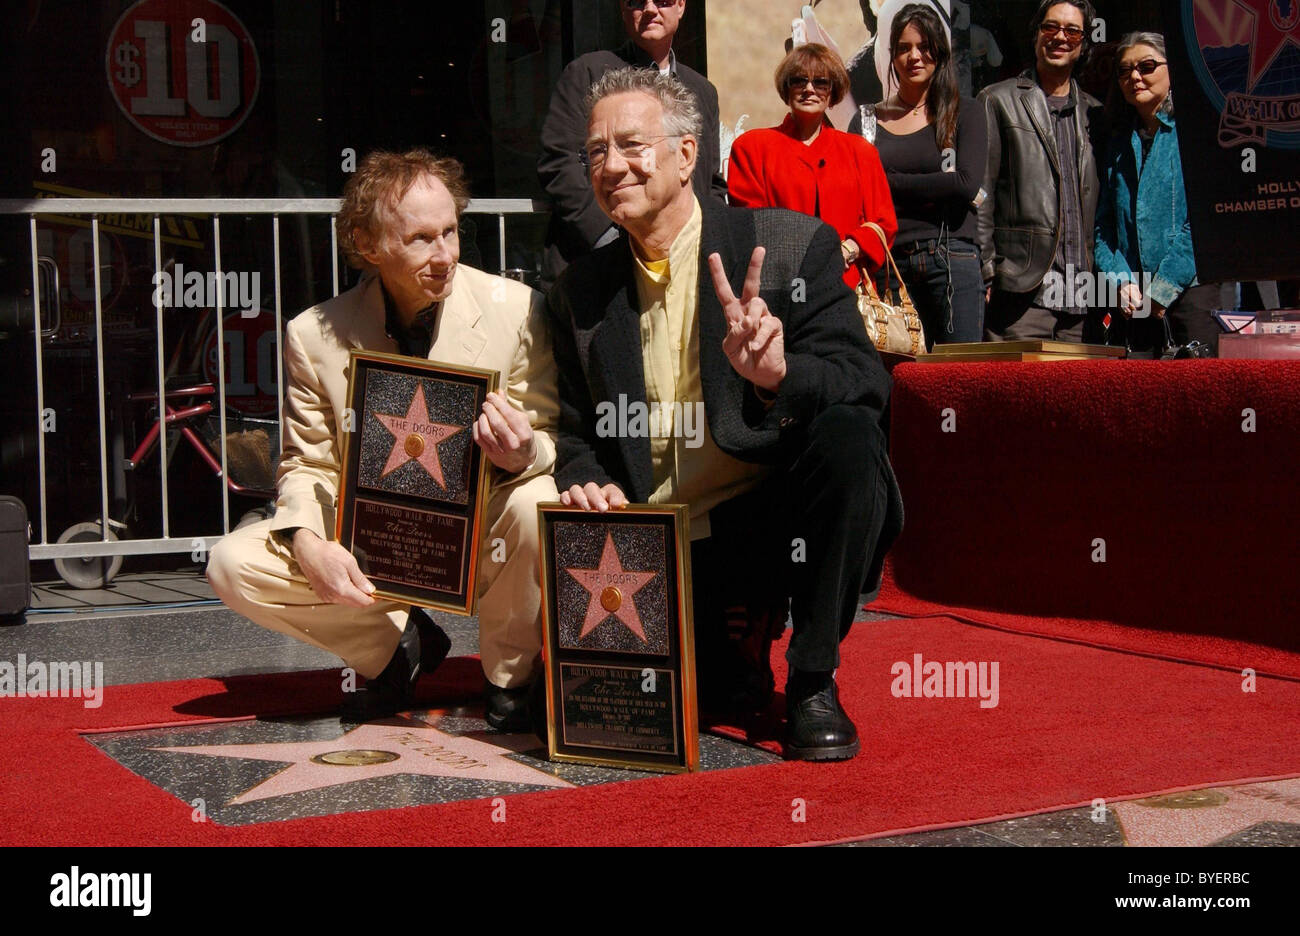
1041,186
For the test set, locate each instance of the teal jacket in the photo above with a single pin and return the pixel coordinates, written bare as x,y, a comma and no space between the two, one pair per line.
1142,224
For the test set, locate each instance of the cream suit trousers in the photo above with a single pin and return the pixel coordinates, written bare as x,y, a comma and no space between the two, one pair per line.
252,574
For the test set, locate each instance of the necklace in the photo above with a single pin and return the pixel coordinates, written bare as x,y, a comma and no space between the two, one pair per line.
904,106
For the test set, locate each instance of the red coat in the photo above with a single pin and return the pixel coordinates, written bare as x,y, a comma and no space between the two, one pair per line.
838,178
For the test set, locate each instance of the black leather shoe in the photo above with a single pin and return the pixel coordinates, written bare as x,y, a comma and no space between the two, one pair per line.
734,670
394,689
538,703
816,726
508,710
434,642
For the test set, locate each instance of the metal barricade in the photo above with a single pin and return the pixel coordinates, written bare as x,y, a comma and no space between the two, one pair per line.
108,545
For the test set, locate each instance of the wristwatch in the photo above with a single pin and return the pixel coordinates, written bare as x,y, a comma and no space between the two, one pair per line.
850,250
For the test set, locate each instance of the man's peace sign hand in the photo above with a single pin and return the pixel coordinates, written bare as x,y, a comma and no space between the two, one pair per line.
755,341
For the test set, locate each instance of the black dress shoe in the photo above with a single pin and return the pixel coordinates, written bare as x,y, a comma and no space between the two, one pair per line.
733,667
751,630
730,688
509,710
538,704
816,726
394,689
434,642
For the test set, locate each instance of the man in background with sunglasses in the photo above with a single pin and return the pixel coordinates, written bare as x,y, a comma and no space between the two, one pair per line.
1041,185
577,224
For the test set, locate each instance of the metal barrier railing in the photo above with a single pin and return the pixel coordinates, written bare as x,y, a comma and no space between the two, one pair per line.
159,208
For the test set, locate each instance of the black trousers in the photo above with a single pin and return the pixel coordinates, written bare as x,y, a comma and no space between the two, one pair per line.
1014,317
810,533
1191,318
945,283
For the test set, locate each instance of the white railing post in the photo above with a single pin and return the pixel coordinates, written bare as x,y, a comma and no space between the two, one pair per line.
162,380
40,376
221,371
99,372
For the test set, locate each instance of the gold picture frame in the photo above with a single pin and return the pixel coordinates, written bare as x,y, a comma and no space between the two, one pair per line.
414,484
619,640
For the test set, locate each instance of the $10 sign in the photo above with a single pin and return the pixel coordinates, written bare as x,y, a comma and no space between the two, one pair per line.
183,73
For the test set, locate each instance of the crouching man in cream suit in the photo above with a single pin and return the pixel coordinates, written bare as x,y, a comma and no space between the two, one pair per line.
399,221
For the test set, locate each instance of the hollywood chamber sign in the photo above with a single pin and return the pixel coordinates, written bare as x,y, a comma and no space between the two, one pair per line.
1235,68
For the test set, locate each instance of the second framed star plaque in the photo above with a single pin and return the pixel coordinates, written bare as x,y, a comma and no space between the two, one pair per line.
414,482
617,627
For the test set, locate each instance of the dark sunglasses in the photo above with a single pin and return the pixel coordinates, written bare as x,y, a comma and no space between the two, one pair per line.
1073,34
1144,67
642,4
797,82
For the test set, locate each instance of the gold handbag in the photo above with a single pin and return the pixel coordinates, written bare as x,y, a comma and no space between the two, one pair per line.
894,328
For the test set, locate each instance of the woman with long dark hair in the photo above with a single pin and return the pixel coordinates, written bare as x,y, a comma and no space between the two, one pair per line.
934,145
1144,238
806,165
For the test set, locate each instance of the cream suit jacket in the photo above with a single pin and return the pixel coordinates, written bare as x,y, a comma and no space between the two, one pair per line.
487,321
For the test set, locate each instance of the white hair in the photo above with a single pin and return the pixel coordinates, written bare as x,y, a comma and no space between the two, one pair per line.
681,110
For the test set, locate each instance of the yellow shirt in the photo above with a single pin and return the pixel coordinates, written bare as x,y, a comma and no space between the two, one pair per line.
688,466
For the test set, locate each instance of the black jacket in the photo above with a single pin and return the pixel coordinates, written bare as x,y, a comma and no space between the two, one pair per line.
1018,224
576,220
595,319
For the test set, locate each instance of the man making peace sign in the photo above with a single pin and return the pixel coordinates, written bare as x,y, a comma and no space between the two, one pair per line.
742,318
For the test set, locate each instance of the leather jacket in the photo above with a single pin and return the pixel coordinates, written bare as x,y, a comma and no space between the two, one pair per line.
1018,224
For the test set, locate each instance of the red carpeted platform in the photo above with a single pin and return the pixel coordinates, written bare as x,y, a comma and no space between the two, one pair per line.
1185,472
1071,724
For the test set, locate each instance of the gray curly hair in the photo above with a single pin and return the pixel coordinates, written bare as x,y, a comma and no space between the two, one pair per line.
681,109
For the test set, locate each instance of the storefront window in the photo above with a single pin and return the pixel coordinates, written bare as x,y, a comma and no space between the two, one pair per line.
238,99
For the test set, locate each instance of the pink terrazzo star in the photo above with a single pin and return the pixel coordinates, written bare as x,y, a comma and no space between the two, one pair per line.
414,437
383,750
1247,805
611,588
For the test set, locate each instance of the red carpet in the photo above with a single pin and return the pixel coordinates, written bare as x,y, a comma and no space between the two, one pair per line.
1199,518
1072,724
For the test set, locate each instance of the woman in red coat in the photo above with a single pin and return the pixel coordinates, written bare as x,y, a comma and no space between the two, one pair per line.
808,166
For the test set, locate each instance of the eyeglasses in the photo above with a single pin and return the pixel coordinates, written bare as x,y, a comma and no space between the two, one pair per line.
642,4
799,82
1049,29
1143,68
593,157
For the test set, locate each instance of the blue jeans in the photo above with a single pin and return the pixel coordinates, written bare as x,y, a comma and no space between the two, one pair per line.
946,286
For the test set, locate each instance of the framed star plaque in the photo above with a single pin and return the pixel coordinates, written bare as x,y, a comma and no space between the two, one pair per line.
414,482
617,628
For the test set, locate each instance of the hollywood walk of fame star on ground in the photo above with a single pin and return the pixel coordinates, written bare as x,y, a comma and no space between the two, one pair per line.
1241,808
421,751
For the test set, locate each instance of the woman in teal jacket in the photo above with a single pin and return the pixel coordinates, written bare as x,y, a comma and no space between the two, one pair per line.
1143,237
